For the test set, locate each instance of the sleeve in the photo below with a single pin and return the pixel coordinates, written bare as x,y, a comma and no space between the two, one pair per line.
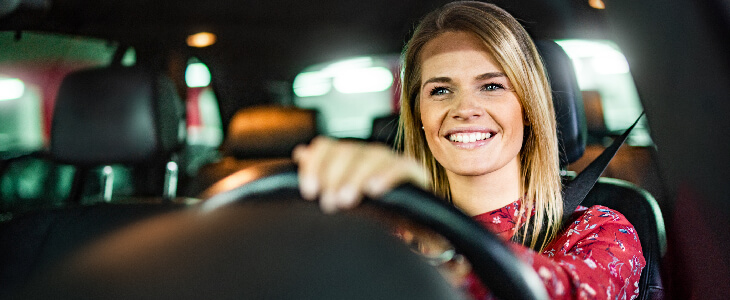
597,257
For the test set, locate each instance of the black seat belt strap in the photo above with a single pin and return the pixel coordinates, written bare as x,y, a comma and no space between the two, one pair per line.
576,190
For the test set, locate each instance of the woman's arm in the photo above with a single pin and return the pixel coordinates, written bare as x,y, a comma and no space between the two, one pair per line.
597,257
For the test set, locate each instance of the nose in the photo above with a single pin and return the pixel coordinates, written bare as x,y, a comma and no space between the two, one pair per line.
467,107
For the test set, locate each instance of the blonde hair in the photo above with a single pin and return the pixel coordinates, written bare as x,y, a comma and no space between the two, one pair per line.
512,48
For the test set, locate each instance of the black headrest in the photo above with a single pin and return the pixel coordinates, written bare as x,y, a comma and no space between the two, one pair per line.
116,115
269,131
567,100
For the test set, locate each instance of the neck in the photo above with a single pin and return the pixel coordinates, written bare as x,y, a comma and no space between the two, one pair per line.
477,194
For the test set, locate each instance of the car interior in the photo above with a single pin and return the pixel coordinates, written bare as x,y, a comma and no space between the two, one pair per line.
120,177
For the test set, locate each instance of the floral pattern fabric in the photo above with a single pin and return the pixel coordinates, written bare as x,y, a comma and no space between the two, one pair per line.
597,257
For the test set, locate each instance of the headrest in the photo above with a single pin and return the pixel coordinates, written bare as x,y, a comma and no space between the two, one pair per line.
116,115
269,131
567,100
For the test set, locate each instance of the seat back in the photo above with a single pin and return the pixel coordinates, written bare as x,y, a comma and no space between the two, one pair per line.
118,115
638,205
102,116
639,208
257,135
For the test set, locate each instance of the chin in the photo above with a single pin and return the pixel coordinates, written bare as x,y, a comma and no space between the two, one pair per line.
471,171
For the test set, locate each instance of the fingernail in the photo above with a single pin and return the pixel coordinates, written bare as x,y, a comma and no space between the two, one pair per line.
375,187
348,196
308,187
328,202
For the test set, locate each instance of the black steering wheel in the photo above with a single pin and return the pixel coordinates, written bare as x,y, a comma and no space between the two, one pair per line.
505,275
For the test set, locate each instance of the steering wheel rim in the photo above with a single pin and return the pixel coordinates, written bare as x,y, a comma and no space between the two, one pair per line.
486,252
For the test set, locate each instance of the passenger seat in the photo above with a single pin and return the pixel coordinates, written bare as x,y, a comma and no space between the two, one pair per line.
258,134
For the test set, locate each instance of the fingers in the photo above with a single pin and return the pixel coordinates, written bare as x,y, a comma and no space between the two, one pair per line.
342,172
310,158
337,191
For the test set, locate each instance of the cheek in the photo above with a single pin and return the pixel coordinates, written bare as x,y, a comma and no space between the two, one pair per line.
431,122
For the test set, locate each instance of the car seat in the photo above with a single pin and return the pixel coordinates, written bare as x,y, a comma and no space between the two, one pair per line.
635,203
113,115
256,135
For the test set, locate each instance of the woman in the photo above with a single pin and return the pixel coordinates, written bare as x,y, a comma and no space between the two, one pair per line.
477,127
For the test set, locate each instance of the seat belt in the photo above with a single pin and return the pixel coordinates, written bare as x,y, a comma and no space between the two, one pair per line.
577,189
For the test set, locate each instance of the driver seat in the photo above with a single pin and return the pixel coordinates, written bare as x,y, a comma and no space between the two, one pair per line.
636,204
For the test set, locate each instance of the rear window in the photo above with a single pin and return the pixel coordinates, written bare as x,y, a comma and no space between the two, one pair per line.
602,69
32,66
349,93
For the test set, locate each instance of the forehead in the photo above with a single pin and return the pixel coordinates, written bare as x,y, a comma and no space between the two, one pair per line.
456,51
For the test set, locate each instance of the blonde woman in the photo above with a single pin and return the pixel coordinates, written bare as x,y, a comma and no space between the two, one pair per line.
477,127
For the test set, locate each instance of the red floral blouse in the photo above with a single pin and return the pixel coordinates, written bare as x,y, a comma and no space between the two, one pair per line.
597,257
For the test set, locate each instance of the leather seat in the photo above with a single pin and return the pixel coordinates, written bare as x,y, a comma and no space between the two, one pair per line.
635,203
104,116
258,134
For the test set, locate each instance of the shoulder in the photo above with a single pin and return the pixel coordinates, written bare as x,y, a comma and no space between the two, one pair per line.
597,214
596,226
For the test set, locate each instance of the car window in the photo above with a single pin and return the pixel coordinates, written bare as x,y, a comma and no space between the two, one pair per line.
349,93
601,67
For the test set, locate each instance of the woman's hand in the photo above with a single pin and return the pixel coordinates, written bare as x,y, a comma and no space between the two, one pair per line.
342,172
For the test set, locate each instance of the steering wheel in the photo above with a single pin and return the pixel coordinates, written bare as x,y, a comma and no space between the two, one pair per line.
505,275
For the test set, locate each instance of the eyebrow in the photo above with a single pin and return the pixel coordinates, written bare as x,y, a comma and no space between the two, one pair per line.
479,77
491,75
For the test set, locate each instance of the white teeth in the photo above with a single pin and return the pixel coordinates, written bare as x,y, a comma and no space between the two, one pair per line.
469,137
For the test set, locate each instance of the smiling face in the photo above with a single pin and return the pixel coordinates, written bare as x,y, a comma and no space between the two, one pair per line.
472,119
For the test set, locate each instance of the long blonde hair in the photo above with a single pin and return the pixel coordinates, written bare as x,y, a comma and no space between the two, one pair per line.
513,49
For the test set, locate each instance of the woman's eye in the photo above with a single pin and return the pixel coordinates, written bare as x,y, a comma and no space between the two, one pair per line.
437,91
493,87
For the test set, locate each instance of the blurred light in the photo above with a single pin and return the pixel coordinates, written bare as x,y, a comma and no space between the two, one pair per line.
197,75
610,64
597,4
310,84
201,39
602,56
355,75
348,65
365,80
130,58
11,88
108,183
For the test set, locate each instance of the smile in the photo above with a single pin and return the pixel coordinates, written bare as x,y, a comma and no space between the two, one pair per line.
468,137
